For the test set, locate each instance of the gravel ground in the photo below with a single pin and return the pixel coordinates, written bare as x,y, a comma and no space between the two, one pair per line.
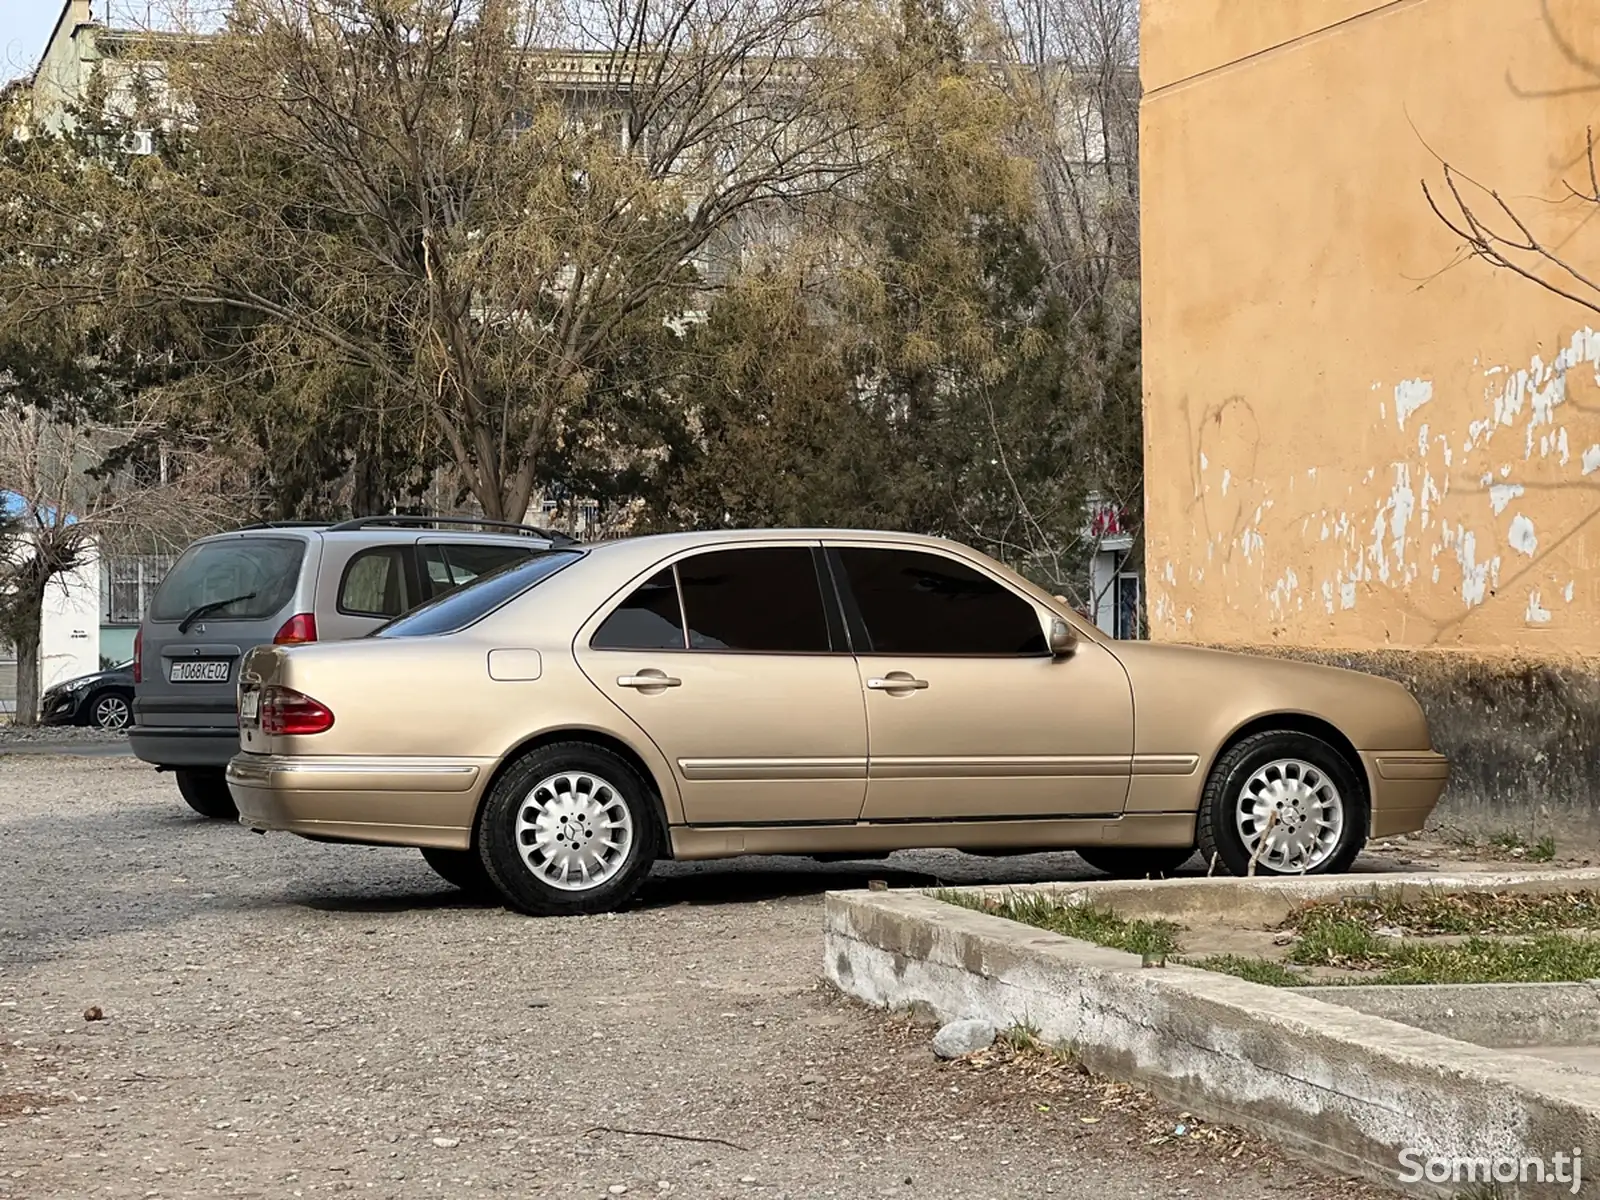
16,737
278,1018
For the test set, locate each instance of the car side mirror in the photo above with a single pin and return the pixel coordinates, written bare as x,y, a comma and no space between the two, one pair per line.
1063,638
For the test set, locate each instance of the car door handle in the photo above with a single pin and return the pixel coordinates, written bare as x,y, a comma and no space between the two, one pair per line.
648,679
897,683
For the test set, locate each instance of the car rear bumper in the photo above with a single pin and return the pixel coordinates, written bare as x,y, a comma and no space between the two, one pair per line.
1405,788
184,745
391,801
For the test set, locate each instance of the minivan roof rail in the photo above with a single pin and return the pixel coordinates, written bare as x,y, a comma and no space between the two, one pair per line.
284,525
405,519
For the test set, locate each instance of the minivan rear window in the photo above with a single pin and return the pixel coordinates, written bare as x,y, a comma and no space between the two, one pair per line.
460,608
256,574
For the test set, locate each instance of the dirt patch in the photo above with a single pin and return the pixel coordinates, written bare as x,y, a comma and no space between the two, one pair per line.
26,1104
285,1016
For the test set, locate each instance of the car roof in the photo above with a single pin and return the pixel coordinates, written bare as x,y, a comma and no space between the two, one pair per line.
373,533
651,547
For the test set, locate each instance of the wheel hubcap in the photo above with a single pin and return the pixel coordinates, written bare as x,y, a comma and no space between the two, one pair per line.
1290,816
574,831
111,713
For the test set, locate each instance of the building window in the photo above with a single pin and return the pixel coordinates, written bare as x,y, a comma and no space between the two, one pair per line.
127,585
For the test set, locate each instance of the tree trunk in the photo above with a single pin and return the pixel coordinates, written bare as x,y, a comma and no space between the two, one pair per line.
29,613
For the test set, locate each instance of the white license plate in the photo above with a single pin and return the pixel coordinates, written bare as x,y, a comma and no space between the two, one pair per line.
205,671
249,706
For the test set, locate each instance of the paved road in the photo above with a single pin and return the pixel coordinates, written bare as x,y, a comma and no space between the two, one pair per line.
287,1019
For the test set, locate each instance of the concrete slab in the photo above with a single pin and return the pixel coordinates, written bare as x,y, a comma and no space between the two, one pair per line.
1585,1058
1344,1088
1504,1015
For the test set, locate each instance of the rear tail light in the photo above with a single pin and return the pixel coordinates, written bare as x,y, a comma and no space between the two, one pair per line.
138,657
286,712
302,627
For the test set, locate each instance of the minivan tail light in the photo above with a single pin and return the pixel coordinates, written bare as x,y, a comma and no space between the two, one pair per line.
138,657
287,713
302,627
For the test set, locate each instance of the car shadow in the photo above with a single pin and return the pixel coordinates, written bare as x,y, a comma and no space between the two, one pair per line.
742,881
758,879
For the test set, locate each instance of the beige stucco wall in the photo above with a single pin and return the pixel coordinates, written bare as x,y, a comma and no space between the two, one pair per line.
1356,436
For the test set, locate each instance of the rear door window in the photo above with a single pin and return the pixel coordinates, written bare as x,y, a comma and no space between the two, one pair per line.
376,583
649,619
246,578
449,565
760,600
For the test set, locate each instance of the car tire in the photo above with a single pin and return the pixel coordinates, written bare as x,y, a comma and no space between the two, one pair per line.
1136,862
207,793
1321,802
111,711
561,805
462,868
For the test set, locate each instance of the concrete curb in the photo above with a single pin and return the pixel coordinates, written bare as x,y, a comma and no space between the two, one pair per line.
1339,1087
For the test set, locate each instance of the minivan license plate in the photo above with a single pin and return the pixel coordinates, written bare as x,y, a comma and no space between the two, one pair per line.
200,672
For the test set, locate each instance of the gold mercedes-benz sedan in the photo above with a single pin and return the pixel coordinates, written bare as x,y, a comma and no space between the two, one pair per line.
549,731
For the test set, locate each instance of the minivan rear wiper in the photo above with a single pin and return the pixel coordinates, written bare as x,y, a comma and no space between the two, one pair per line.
183,625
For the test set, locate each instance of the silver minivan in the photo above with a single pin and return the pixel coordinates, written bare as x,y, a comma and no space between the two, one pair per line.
285,583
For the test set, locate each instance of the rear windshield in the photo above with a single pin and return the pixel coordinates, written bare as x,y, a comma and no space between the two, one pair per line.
256,575
460,608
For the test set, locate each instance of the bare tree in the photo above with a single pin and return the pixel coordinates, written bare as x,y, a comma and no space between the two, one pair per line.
1071,70
65,508
1505,240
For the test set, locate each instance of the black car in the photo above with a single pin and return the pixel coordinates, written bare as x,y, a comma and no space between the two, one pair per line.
104,699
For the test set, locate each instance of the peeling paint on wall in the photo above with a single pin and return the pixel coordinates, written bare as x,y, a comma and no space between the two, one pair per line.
1502,494
1474,574
1410,395
1521,535
1513,436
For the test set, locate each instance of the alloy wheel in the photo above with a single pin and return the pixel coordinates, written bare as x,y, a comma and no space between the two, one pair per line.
111,712
574,830
1290,816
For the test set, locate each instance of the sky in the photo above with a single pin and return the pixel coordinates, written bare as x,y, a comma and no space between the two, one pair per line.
24,27
26,24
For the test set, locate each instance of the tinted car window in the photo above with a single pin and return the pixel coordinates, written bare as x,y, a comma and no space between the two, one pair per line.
914,603
649,619
257,574
374,583
762,599
460,608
